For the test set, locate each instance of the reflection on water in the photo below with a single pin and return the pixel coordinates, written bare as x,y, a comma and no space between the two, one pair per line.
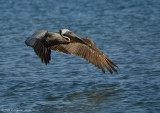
101,95
92,94
128,32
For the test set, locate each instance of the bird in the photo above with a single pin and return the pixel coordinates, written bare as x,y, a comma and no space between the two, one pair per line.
66,42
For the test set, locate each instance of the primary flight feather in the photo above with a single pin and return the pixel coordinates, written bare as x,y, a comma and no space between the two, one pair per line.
67,42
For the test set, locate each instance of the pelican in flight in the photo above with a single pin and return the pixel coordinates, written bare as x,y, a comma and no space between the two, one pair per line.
67,42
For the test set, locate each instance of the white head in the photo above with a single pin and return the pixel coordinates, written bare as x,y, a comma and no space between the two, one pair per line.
65,31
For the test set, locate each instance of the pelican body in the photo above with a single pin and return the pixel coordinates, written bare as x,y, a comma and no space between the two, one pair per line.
67,42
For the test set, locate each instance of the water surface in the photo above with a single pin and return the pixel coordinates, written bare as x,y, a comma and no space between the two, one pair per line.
127,31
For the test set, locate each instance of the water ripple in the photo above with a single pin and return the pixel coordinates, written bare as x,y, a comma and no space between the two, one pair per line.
128,32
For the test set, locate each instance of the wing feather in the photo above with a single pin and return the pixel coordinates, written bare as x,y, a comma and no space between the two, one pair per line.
94,47
97,58
39,43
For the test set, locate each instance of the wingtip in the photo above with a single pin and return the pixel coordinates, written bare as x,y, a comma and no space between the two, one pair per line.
26,43
115,65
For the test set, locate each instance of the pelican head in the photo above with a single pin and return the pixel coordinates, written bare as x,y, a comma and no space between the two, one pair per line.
70,36
65,31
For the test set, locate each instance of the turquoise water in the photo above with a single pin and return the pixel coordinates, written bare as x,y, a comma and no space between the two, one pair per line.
127,31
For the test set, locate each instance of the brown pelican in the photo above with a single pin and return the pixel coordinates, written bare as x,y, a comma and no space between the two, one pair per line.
67,42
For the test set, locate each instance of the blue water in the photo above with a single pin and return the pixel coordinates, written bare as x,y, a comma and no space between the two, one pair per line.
127,31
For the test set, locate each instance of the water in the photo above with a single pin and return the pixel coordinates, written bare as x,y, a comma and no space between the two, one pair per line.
127,31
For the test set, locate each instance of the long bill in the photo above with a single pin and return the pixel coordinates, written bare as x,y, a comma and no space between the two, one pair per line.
75,38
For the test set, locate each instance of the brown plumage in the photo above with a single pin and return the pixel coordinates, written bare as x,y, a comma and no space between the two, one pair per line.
67,42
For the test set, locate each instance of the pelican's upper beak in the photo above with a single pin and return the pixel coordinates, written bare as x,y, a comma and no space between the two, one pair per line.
74,38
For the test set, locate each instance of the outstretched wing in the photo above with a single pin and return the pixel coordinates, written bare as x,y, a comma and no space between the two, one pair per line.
94,47
40,45
89,52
